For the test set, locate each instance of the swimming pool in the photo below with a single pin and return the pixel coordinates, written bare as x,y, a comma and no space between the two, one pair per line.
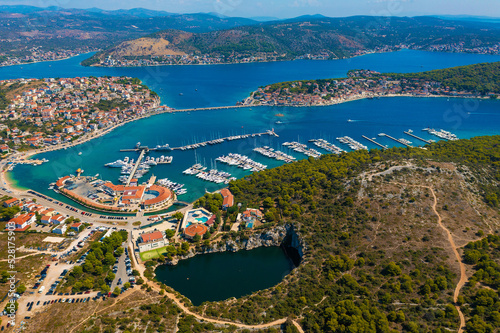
202,219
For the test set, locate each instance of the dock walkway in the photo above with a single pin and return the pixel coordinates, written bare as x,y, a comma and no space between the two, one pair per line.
137,163
375,142
398,141
229,138
416,137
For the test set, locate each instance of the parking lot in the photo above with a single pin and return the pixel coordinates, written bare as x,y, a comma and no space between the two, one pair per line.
122,270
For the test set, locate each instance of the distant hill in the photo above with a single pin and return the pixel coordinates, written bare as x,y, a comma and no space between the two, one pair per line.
334,37
56,28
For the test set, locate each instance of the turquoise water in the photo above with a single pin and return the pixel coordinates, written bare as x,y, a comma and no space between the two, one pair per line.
224,275
371,117
202,219
225,84
217,85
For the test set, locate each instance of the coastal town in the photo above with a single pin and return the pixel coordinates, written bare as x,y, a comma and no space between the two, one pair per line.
360,84
245,57
49,112
192,59
38,54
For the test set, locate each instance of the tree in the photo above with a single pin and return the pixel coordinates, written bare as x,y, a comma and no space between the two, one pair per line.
21,289
77,271
169,233
117,292
178,216
126,285
119,251
105,288
196,238
110,277
392,269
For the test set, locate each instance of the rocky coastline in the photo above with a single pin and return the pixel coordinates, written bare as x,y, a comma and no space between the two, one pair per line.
283,235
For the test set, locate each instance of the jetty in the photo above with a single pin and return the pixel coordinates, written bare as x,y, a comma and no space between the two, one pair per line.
398,141
375,142
416,137
136,165
204,143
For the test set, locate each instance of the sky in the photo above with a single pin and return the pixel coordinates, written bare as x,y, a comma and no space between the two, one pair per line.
289,8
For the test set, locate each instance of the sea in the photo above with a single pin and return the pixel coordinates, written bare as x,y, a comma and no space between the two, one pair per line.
234,275
220,85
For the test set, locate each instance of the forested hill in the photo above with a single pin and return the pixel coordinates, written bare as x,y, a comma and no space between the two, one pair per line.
333,37
376,259
479,77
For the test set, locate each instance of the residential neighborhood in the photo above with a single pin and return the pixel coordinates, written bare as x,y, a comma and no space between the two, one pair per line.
359,84
54,111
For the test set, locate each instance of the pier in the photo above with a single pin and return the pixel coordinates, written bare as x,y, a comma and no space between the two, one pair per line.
202,144
398,141
416,137
137,163
375,142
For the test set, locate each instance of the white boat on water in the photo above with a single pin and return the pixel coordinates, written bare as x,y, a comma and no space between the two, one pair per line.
116,164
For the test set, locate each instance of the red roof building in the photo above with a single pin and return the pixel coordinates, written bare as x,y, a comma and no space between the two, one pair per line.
22,222
195,229
228,198
11,202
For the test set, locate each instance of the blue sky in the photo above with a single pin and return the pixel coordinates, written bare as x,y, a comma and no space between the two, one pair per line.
289,8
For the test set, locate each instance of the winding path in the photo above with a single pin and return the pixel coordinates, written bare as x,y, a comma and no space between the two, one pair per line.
463,276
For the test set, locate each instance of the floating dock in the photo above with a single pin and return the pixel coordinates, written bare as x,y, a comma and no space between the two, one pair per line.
398,141
187,147
375,142
416,137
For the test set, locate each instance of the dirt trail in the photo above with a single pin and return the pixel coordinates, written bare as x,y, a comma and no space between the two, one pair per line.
463,277
299,328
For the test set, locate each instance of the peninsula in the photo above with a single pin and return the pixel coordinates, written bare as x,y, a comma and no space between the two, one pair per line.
474,81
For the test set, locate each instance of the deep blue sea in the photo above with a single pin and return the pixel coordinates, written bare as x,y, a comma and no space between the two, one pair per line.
218,85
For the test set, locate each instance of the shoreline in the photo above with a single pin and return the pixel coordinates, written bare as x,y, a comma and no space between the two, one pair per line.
360,97
52,60
284,60
11,181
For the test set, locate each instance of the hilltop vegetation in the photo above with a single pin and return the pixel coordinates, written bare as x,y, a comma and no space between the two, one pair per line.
376,260
325,37
482,78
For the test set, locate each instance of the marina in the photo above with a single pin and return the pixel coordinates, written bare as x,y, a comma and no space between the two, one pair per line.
173,186
442,134
241,161
213,175
327,146
137,169
276,154
410,133
302,148
404,143
353,144
375,142
166,147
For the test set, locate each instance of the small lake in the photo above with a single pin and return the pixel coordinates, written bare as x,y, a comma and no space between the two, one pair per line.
219,276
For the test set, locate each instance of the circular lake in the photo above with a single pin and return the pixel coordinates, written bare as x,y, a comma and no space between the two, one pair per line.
219,276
